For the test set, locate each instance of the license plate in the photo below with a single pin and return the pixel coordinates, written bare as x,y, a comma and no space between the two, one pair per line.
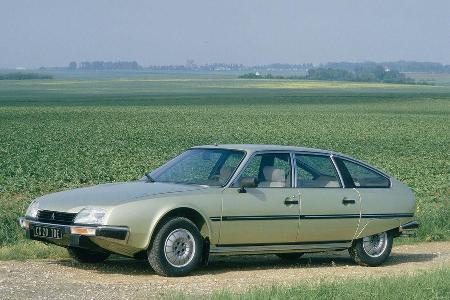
47,232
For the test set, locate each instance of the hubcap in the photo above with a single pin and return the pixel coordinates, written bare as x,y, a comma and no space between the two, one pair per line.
179,248
375,245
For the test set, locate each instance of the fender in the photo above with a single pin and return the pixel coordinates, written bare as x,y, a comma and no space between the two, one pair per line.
168,210
374,226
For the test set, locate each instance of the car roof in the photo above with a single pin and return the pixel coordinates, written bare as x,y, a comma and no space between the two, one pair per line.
250,148
261,147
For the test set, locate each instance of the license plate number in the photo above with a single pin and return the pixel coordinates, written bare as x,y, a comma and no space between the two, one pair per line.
47,232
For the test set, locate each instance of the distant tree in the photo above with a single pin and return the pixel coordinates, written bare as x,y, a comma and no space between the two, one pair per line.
72,65
249,76
109,65
85,65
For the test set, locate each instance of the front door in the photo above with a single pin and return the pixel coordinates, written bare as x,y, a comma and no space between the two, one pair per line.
328,212
266,214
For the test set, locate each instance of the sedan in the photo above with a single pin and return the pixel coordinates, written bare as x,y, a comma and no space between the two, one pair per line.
231,200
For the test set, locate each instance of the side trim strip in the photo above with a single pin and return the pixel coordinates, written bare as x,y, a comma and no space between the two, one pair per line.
310,217
251,218
387,216
285,244
319,217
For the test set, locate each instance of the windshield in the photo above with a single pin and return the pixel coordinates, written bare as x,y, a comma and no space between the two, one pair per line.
213,167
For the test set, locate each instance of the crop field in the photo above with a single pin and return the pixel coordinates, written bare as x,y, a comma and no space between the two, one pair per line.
61,134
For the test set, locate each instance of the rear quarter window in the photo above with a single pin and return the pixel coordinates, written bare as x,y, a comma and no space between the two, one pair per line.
364,177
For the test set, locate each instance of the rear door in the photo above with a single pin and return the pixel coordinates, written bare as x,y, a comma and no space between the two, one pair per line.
380,209
329,212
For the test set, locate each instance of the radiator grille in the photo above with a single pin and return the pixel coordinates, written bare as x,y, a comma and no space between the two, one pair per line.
56,217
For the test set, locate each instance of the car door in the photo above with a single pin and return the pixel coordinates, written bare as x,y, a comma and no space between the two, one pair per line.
329,212
380,208
267,213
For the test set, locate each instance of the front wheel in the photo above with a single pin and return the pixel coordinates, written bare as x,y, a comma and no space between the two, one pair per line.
177,248
372,250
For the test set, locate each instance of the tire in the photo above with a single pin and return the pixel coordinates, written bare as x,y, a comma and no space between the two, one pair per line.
289,256
176,249
87,256
373,250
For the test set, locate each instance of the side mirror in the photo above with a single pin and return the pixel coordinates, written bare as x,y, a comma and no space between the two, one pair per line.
147,177
247,182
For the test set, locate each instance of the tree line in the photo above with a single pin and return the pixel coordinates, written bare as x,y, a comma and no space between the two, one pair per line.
24,76
362,73
401,66
104,65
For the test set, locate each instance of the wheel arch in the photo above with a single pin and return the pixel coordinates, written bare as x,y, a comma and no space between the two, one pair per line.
190,213
374,226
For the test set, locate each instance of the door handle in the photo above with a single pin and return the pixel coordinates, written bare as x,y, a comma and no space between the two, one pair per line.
346,201
290,201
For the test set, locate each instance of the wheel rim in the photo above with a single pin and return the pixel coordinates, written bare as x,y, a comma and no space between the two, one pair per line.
179,248
376,244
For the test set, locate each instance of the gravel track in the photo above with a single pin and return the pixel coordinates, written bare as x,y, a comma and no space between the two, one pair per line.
131,279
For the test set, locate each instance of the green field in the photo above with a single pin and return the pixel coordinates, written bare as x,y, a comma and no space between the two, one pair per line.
61,134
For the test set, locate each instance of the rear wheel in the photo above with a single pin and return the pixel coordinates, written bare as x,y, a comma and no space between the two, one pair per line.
372,250
177,248
87,256
289,256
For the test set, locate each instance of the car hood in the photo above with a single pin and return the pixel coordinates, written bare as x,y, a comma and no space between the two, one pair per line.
110,194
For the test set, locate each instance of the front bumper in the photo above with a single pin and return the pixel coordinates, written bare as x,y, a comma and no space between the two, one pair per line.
75,235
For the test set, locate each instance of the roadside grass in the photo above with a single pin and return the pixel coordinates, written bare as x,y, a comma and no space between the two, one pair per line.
31,250
434,284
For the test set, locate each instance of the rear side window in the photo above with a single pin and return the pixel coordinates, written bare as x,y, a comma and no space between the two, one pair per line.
363,177
316,171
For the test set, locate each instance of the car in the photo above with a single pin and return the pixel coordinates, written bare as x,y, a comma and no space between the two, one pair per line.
231,200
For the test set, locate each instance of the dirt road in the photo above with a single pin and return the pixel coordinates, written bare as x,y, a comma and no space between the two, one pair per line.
130,279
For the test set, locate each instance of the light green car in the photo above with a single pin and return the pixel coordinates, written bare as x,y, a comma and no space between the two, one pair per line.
228,200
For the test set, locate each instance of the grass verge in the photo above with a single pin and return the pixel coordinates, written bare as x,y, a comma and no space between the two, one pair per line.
424,285
31,250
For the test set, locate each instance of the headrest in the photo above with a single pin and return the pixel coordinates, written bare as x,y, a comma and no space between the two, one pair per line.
273,174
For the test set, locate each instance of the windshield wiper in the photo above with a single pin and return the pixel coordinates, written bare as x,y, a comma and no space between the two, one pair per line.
149,178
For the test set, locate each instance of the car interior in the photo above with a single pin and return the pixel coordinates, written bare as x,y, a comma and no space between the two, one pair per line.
311,177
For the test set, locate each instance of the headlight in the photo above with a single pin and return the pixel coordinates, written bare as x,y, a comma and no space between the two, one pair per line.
32,209
90,216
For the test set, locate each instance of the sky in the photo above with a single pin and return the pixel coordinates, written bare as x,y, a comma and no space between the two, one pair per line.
55,32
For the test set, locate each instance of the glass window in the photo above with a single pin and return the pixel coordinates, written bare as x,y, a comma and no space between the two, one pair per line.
212,167
269,170
316,171
229,166
363,177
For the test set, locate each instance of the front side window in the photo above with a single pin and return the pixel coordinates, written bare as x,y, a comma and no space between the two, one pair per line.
212,167
316,171
271,170
363,177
